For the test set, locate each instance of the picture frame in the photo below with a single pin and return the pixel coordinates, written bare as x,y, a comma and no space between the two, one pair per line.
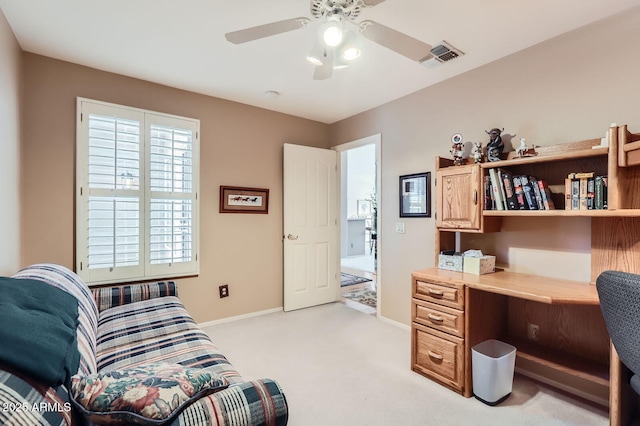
364,208
237,199
415,195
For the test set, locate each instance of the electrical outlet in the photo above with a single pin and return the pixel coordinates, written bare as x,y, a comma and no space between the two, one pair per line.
533,331
224,290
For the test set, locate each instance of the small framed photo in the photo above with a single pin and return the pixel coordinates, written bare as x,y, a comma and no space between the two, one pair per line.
235,199
364,208
415,195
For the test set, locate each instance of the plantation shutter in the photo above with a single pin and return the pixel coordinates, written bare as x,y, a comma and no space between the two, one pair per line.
137,181
172,175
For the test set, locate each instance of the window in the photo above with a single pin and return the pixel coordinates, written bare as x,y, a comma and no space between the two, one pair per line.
136,194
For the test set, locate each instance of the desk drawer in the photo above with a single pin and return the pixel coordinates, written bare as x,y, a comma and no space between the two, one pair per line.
439,317
438,293
438,356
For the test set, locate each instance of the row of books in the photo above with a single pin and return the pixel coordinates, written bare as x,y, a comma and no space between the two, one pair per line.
504,191
585,191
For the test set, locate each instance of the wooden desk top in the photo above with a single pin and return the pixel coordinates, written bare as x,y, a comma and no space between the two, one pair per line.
523,286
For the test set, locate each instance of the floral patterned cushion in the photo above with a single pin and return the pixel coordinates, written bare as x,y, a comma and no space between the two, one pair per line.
150,394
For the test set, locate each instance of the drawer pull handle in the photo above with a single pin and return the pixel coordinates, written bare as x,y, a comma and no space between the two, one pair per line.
434,355
435,318
435,293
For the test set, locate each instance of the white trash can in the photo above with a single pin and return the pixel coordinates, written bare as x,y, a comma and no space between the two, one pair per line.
493,363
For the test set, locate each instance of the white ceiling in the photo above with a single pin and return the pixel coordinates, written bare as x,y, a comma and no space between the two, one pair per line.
180,43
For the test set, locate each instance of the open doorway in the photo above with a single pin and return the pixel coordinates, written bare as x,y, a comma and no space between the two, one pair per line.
359,220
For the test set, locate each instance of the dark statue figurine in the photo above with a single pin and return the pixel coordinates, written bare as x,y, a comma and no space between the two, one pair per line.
495,145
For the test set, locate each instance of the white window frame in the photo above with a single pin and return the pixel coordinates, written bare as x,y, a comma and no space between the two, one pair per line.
144,270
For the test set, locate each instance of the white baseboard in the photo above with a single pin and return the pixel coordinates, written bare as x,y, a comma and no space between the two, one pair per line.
239,317
395,323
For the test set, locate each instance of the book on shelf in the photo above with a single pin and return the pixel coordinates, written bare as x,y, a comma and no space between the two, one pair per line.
509,190
583,179
533,181
600,195
545,193
501,188
574,192
567,193
495,189
519,192
591,193
529,194
489,200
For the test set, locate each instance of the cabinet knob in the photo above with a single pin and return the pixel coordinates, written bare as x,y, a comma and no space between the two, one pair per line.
475,196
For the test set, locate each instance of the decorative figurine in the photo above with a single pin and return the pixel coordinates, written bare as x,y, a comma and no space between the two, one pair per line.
476,152
524,151
522,148
456,148
495,145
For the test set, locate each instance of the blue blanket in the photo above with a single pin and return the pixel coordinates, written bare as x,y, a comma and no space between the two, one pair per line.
38,330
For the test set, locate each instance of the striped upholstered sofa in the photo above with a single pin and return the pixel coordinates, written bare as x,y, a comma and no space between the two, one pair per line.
133,326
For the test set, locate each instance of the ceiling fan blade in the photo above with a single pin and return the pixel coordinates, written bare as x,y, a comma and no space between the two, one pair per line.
266,30
372,3
401,43
324,71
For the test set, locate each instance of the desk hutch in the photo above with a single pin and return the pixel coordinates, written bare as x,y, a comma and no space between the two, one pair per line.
453,311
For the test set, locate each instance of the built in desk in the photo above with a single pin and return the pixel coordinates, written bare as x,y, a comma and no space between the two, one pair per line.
454,311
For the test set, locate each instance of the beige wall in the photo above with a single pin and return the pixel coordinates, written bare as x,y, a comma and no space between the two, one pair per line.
569,88
10,89
240,145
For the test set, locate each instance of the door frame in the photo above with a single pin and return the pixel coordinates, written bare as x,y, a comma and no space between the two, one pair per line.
375,139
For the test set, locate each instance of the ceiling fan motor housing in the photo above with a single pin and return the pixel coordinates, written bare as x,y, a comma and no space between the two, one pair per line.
349,9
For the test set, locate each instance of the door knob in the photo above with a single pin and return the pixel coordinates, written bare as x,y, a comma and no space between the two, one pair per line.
292,237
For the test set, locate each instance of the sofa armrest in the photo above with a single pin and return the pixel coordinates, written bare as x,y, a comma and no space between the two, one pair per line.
25,402
259,402
109,297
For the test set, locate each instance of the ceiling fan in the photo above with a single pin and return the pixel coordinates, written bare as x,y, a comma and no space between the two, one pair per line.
339,45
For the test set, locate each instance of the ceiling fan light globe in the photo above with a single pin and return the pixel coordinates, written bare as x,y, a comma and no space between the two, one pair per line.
351,53
332,35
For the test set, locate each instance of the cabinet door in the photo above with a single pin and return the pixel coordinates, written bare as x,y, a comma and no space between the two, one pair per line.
458,192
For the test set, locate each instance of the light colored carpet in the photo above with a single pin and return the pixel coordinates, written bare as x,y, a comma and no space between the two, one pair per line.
362,263
338,366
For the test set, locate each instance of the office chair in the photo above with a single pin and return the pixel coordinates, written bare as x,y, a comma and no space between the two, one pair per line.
619,294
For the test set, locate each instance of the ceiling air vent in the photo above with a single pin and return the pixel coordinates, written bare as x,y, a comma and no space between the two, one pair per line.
442,53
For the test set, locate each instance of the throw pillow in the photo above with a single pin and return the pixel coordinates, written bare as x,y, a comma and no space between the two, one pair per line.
150,394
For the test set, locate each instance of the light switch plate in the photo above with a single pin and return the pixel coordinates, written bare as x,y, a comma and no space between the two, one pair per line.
400,227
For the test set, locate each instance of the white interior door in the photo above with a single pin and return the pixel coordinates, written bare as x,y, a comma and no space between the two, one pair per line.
311,255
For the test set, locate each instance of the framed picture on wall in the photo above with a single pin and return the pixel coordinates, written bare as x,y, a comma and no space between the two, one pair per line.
235,199
364,208
415,195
